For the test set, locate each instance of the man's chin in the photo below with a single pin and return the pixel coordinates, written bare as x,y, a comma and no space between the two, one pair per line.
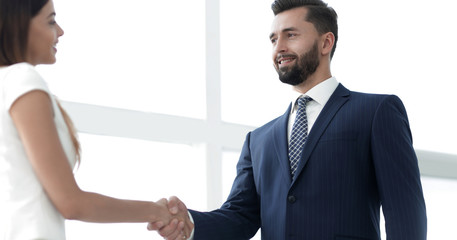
289,76
283,70
290,80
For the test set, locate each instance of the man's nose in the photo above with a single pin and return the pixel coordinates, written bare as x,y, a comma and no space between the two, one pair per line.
281,46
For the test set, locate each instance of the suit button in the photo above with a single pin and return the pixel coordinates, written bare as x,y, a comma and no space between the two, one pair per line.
291,199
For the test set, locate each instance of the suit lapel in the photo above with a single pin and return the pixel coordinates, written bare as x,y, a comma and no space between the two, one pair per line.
338,98
281,144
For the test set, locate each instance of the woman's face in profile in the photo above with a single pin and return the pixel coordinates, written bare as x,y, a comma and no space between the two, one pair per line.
44,33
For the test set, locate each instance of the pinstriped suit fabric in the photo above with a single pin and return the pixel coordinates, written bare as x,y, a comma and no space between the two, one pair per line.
358,156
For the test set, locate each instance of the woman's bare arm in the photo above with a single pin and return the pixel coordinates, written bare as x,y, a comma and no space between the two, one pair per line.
33,116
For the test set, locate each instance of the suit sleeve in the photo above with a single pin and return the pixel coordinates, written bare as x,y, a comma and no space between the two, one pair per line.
397,172
239,217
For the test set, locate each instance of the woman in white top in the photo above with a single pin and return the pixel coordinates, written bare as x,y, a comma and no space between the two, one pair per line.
38,144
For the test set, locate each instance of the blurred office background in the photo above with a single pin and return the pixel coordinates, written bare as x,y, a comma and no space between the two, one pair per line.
164,92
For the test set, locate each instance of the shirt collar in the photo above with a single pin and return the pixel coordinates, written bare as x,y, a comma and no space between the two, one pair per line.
320,93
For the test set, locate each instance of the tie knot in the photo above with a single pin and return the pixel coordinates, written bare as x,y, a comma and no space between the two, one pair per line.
303,100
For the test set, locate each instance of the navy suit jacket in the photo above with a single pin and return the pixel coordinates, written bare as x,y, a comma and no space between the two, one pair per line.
358,156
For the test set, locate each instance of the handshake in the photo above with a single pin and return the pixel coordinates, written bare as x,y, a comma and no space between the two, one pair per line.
173,220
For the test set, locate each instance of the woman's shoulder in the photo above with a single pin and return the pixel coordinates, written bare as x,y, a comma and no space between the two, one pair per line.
20,69
21,73
19,79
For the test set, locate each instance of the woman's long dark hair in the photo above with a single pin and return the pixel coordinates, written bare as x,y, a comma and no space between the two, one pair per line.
15,18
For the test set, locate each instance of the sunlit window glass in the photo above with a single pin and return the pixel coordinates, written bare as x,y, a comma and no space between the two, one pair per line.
251,91
140,55
440,197
141,170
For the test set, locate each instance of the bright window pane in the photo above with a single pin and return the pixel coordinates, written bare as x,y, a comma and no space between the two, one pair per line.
141,170
139,54
441,198
229,161
251,91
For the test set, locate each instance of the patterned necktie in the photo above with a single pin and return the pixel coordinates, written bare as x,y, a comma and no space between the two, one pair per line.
299,134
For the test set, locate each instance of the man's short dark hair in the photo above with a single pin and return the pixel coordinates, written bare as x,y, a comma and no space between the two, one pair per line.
323,17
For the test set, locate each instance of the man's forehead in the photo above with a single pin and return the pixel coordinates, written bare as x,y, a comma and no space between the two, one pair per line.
289,19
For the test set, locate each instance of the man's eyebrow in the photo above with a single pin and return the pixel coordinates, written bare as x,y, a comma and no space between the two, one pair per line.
289,29
53,14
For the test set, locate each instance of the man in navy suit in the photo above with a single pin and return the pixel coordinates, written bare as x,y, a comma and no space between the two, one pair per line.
357,154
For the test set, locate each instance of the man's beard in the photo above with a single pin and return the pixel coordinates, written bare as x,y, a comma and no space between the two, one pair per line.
298,73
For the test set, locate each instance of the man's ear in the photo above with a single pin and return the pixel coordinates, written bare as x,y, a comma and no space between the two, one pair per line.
328,41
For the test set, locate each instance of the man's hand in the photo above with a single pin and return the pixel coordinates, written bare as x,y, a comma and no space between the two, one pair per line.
180,227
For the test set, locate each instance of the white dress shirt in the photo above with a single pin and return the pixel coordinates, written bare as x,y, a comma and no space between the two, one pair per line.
320,95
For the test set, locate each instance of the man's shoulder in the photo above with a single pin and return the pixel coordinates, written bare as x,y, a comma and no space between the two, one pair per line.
365,96
363,101
268,125
278,123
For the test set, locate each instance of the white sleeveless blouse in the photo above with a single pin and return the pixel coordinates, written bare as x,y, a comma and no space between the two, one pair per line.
26,212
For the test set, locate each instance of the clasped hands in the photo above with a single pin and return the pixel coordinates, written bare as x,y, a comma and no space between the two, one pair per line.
179,226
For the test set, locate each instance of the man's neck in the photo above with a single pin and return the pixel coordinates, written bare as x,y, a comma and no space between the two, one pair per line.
312,81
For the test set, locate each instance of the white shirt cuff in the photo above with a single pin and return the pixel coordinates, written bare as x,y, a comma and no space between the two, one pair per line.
191,237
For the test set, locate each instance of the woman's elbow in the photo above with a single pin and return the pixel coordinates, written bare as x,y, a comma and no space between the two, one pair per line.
71,208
